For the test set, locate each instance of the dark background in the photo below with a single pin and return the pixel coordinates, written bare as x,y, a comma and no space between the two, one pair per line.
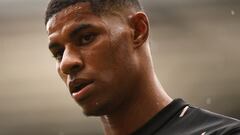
195,46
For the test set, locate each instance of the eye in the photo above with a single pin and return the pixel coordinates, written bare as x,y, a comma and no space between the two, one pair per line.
87,38
58,55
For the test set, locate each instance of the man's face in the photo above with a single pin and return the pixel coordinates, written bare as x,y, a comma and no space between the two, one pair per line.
95,57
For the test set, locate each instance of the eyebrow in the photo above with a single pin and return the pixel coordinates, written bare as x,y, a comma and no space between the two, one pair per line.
79,29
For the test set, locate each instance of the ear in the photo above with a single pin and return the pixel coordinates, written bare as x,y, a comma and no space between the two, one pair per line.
140,25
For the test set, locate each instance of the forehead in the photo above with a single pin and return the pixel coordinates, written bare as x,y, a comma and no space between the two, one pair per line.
74,12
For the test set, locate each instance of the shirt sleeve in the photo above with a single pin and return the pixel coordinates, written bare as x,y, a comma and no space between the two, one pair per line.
234,130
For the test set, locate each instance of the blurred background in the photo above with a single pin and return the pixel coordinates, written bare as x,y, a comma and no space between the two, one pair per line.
195,46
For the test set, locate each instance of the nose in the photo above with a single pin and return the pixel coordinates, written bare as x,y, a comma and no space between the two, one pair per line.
71,62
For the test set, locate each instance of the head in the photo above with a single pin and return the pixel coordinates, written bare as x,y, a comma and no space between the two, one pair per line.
101,50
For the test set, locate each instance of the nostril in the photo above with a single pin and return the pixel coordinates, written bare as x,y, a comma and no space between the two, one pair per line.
70,68
71,64
75,69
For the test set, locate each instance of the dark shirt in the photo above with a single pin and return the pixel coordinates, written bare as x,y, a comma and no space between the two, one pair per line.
179,118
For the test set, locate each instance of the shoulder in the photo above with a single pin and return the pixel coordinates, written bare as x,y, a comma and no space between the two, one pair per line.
181,118
212,123
195,121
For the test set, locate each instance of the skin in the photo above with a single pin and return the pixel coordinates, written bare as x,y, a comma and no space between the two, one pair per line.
113,51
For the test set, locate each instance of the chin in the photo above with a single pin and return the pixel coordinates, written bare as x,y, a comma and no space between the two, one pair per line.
96,110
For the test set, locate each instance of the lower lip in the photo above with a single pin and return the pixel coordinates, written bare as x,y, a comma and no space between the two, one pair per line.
80,95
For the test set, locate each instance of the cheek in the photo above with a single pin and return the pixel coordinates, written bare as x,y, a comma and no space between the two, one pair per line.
106,75
100,56
109,57
102,63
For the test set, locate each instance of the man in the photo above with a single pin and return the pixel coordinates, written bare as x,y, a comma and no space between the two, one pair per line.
103,56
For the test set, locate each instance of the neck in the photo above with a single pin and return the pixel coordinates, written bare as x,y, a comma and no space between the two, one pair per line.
149,98
148,101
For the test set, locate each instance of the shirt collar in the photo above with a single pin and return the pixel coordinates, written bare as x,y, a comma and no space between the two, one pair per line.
161,117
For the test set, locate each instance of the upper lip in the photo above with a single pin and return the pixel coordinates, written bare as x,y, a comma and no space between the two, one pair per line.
78,84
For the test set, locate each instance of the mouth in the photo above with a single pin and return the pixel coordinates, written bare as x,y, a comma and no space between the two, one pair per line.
79,85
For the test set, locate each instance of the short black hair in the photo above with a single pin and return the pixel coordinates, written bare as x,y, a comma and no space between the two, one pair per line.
97,6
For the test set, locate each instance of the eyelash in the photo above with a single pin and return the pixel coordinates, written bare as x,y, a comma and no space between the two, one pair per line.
58,55
91,37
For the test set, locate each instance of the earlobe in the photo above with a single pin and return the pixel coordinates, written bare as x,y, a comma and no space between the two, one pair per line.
140,25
